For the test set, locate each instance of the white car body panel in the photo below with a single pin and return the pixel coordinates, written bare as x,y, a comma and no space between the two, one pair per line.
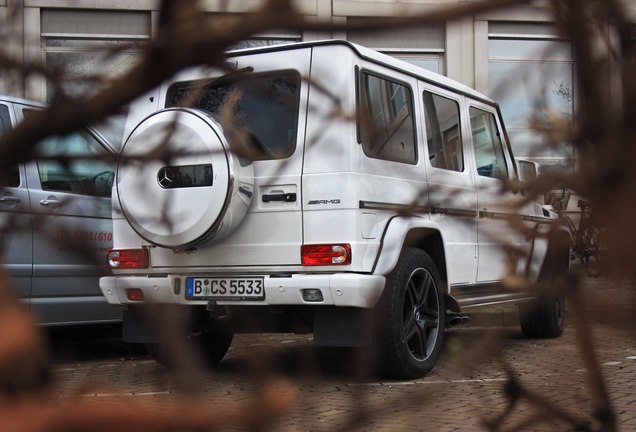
341,195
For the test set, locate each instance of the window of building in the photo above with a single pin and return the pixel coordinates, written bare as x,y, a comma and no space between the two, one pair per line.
421,46
81,43
386,122
489,152
531,75
443,132
266,40
274,37
88,46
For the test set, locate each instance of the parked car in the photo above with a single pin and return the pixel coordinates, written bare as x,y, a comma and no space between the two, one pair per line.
47,210
398,216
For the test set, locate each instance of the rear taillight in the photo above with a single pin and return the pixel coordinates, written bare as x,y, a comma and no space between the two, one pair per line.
128,258
325,254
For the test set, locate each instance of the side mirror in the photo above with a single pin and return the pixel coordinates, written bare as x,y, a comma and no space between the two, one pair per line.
103,183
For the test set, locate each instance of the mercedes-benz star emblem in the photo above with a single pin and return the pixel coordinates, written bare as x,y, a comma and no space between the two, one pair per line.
165,178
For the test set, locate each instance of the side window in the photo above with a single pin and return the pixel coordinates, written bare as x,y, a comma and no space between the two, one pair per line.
5,120
489,152
12,177
443,134
386,121
75,163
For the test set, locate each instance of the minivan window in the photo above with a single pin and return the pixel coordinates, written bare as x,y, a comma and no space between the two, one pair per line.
11,178
264,105
386,122
443,132
489,152
75,163
5,120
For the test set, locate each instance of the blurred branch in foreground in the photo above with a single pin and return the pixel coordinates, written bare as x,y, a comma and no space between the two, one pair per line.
603,133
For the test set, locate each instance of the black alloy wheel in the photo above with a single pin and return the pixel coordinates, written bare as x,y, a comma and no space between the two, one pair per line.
414,317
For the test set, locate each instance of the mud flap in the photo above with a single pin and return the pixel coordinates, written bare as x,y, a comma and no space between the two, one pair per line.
342,326
137,329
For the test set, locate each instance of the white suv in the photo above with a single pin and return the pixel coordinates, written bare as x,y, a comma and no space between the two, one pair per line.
397,215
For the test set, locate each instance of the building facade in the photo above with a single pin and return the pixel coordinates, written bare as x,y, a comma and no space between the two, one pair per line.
483,51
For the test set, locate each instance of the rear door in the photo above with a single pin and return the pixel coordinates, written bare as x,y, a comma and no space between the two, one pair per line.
15,219
72,227
270,104
451,183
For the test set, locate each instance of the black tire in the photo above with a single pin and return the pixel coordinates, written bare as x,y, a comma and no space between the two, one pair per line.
543,318
413,315
212,347
161,354
591,257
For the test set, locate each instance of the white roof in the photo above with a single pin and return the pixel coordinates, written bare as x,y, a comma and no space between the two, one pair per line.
377,57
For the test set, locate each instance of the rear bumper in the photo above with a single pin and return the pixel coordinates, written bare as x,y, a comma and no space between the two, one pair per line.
340,289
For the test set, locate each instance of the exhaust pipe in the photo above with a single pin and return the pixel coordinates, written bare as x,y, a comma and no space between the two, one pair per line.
457,321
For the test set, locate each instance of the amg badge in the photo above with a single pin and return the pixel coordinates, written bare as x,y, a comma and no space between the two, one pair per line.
322,202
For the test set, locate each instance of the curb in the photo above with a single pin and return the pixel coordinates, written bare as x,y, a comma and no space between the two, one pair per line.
501,316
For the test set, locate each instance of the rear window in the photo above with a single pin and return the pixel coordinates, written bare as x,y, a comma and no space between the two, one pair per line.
386,123
265,105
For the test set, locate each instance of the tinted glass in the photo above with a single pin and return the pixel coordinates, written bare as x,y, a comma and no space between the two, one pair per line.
75,163
185,176
11,178
266,106
443,132
489,153
387,120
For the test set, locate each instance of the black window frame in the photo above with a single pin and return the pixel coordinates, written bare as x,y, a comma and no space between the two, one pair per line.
362,102
503,145
246,74
12,177
459,130
71,182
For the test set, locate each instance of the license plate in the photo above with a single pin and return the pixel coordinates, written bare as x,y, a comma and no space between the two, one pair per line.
225,288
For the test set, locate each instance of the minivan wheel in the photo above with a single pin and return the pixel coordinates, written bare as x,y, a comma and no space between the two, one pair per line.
543,318
414,317
212,347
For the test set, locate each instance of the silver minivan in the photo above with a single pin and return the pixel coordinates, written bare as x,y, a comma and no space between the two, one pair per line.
55,223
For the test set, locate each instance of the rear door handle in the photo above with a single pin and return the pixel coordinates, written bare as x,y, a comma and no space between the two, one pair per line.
283,197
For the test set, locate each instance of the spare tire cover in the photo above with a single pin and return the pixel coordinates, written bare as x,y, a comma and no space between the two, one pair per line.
178,184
